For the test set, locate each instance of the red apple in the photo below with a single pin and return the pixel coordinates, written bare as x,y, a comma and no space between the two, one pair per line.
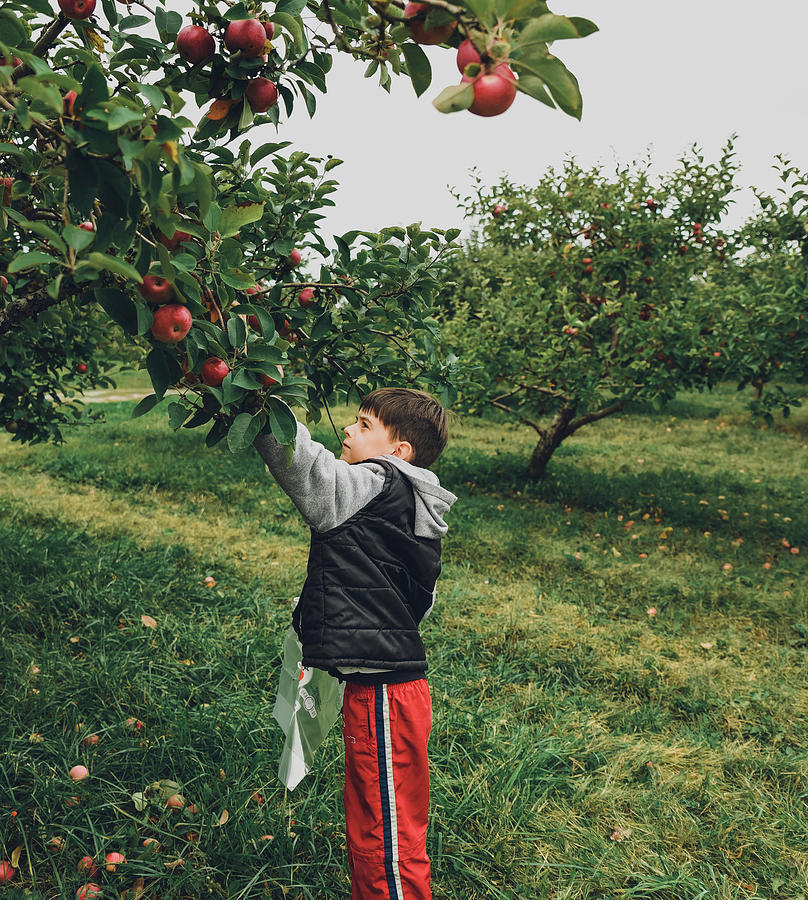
87,226
81,368
416,13
586,260
3,284
177,801
175,240
194,43
284,330
466,53
87,891
87,866
214,371
8,184
90,740
494,92
498,210
113,860
253,322
247,35
67,102
156,289
79,773
269,28
261,94
294,257
268,380
6,872
172,323
305,297
77,9
15,61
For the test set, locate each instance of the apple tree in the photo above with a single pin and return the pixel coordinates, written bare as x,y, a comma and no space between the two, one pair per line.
587,290
763,298
124,209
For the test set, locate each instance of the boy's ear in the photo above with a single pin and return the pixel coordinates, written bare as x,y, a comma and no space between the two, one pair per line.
404,451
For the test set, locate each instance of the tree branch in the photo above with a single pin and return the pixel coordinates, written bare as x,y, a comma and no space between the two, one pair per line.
45,42
525,421
593,417
19,310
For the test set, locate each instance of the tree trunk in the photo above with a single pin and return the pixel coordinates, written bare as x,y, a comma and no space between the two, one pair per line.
549,439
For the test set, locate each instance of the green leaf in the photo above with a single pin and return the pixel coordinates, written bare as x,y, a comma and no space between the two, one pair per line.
295,29
48,96
113,264
243,432
146,405
236,331
151,92
561,83
235,217
29,259
245,379
454,98
282,421
236,278
266,149
584,27
177,414
119,308
545,29
534,87
164,371
418,66
121,116
94,90
482,10
291,7
39,228
78,238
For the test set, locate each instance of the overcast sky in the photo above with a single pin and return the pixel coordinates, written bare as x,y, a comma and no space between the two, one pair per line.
658,75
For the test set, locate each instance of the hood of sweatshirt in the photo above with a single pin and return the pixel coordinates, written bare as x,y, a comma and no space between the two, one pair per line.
431,500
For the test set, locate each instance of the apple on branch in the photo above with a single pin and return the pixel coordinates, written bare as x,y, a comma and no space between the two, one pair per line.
306,297
175,240
417,13
246,35
172,323
156,289
214,371
77,9
194,43
261,94
494,91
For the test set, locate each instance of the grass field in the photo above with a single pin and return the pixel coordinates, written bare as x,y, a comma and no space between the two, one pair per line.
617,663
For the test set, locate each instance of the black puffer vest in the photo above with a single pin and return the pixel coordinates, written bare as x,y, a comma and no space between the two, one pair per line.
370,581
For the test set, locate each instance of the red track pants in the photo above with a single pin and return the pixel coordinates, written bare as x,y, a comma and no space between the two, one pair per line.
386,728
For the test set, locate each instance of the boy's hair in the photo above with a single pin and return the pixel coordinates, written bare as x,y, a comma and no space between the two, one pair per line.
413,416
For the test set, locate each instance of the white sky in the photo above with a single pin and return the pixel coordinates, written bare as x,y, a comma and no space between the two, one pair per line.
658,75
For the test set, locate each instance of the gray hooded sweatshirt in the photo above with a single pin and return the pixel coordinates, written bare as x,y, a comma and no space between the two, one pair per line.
327,491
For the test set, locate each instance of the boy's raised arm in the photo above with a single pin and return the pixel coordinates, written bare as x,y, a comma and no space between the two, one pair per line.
326,490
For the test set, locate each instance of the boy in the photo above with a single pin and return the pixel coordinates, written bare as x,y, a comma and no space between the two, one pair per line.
376,518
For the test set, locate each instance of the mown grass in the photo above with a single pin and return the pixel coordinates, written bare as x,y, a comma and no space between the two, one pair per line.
583,747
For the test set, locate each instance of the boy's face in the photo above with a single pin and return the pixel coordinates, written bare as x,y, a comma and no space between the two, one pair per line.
367,437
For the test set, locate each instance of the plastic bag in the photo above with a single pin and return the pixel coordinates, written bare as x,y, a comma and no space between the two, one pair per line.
308,703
